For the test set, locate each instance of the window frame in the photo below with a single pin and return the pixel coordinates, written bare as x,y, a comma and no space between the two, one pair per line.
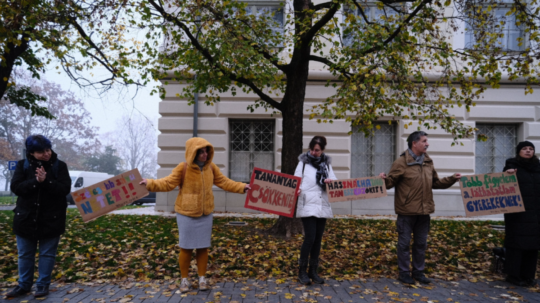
372,5
372,164
251,163
470,39
494,163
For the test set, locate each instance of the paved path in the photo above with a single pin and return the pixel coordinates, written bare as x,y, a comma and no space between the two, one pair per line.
383,290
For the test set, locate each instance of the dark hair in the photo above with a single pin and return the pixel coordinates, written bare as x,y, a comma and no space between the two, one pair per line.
37,143
321,140
415,137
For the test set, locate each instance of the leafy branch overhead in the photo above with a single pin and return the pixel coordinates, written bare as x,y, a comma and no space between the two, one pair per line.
392,59
38,35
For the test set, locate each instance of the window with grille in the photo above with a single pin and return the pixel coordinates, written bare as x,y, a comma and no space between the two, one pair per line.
374,154
491,155
499,20
252,145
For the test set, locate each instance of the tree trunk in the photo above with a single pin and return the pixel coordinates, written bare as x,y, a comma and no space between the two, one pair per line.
291,149
292,112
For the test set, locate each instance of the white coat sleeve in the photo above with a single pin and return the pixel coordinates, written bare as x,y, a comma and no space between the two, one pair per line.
331,174
298,171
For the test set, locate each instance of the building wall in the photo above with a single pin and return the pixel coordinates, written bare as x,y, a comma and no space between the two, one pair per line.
508,104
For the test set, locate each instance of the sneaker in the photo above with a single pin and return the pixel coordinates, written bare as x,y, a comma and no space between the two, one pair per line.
203,285
185,285
17,292
405,277
41,291
420,277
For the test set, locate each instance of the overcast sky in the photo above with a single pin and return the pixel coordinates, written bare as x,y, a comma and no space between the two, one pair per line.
108,108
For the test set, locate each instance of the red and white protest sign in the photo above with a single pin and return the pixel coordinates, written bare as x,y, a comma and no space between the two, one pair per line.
273,192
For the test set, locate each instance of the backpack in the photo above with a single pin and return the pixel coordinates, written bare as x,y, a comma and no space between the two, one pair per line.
26,167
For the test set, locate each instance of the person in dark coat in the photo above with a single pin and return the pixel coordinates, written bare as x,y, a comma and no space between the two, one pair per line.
41,183
522,240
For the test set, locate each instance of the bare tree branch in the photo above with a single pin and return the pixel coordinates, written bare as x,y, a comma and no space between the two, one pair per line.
330,64
398,30
213,62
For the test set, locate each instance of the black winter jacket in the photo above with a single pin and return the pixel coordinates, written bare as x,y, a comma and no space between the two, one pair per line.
523,229
41,207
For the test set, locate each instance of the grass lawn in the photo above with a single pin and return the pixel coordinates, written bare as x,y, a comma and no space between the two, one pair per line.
7,200
145,247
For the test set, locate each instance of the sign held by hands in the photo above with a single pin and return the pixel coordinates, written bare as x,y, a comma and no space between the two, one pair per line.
101,198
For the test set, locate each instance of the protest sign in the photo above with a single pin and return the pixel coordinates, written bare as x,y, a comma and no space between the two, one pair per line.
354,189
272,192
96,200
491,194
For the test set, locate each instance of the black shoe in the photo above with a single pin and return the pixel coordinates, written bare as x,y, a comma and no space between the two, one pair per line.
530,282
302,272
405,277
312,272
420,277
41,291
17,292
515,281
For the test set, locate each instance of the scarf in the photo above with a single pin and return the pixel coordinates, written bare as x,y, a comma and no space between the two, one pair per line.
320,164
418,160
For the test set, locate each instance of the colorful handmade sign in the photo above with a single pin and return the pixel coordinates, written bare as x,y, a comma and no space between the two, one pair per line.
355,189
491,194
101,198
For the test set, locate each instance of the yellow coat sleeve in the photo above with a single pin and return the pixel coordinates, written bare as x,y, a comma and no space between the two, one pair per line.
225,183
168,183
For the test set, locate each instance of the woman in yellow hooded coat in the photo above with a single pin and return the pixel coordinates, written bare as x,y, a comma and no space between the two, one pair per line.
195,204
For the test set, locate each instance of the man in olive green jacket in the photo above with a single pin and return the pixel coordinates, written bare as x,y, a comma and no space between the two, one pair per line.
414,177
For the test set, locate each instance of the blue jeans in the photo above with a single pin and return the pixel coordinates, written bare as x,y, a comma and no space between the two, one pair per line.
27,260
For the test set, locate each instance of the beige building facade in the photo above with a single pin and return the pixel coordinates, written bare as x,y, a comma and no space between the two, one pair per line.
243,139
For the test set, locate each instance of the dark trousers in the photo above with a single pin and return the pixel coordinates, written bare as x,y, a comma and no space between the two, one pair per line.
313,232
418,226
521,264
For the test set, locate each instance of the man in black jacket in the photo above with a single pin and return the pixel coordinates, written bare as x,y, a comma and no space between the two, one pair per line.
41,183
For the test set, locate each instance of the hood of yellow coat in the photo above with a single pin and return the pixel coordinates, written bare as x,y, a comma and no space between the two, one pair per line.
194,144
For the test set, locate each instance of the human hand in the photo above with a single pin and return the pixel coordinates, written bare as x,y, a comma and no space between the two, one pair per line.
382,175
457,176
144,182
327,181
246,188
511,171
41,174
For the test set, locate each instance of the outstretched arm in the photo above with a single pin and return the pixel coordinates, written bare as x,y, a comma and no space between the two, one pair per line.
227,184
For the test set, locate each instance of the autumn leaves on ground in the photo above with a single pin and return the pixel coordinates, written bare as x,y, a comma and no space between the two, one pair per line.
117,247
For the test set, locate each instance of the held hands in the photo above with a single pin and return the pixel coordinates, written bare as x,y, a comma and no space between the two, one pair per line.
327,181
511,171
246,188
144,181
41,174
382,175
457,176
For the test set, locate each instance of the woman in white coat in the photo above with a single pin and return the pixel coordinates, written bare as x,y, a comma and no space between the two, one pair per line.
313,207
